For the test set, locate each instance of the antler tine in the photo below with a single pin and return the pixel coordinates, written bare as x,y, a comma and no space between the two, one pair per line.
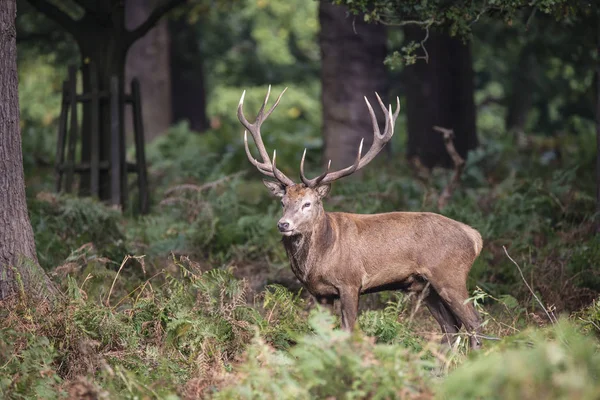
379,141
315,181
260,117
327,176
266,167
275,104
334,176
390,118
262,167
376,132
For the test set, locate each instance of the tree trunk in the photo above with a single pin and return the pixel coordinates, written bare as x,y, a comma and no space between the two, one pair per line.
521,95
109,55
598,119
148,60
106,47
439,92
352,55
19,268
187,76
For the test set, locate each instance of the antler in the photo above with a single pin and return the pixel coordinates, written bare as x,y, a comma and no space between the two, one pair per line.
379,141
266,167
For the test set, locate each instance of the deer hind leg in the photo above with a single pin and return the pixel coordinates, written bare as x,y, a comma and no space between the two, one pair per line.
448,322
465,313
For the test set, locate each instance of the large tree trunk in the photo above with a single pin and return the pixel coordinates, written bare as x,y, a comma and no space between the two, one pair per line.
19,268
439,92
187,76
148,60
352,55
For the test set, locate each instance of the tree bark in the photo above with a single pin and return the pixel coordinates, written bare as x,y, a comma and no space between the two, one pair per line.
352,55
148,60
597,119
439,92
19,268
187,76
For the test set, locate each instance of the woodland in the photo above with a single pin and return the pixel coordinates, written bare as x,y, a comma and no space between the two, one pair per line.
188,293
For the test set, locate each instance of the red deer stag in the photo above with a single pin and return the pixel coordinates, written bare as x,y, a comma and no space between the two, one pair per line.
338,255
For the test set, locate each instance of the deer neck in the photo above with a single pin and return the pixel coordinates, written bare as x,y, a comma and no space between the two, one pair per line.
305,250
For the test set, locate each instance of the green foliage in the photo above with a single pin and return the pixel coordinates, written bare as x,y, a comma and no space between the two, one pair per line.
26,369
590,318
167,327
62,224
458,15
39,97
386,324
284,314
555,363
330,363
261,42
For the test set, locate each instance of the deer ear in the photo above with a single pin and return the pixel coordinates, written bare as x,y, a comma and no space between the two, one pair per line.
277,188
323,190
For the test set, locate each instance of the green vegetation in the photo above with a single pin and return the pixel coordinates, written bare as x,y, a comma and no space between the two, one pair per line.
196,299
197,316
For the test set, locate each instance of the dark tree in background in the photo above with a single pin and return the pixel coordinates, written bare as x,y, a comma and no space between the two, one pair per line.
103,38
352,54
520,98
18,259
148,60
439,92
188,91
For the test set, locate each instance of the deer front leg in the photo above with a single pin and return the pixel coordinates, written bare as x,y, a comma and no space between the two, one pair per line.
349,306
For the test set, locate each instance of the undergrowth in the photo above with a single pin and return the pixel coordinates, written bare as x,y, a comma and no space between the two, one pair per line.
233,323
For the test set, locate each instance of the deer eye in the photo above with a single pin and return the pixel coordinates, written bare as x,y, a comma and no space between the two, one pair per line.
305,205
282,205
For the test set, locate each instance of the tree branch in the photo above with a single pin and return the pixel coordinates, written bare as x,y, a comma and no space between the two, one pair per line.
426,24
155,16
459,165
54,13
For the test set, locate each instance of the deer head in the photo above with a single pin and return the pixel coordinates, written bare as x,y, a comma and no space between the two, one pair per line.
302,202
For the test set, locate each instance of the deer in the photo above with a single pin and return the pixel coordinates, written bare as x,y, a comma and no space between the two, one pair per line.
341,256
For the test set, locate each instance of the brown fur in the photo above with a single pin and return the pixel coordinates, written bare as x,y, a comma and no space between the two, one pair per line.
342,255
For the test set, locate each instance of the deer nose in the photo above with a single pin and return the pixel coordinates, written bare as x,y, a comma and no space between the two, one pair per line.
283,226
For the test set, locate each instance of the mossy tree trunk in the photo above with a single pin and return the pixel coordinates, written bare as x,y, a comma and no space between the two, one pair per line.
19,268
